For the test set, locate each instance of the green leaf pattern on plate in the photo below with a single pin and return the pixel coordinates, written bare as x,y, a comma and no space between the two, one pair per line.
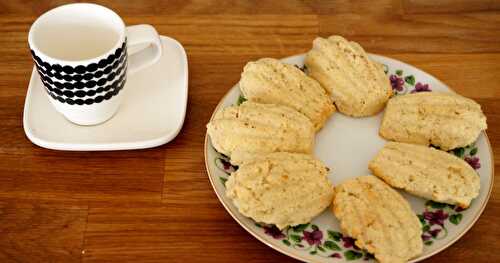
241,99
456,218
352,255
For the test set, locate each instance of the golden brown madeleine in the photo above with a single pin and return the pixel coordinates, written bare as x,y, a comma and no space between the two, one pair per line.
379,218
358,85
254,128
446,120
284,189
269,80
427,172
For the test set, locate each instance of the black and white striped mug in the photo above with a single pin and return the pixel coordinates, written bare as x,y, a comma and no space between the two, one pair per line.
80,53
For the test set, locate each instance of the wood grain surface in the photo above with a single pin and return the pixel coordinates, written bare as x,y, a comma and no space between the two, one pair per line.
157,205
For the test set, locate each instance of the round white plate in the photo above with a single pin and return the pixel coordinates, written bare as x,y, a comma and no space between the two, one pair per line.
346,145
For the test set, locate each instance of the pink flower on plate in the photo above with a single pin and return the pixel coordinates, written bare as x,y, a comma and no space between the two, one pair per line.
436,218
419,87
314,237
396,82
425,237
348,242
434,232
274,232
473,161
228,167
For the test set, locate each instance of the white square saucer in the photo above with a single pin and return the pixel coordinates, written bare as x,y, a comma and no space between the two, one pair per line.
151,114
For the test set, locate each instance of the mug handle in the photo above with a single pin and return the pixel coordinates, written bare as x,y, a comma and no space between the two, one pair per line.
146,36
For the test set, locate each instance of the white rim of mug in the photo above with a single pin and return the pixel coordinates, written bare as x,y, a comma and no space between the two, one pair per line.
45,57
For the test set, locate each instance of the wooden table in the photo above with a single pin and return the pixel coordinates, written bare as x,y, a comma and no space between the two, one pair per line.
157,204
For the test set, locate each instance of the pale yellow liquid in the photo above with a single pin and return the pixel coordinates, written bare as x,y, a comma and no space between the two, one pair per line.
76,41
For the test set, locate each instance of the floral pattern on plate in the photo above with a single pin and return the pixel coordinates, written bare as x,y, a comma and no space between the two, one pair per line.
309,237
403,84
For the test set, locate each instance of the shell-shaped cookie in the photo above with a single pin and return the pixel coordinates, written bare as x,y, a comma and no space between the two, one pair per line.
379,218
284,189
446,120
269,80
255,128
358,85
427,172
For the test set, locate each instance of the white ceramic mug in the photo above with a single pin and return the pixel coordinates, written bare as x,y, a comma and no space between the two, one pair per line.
80,52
